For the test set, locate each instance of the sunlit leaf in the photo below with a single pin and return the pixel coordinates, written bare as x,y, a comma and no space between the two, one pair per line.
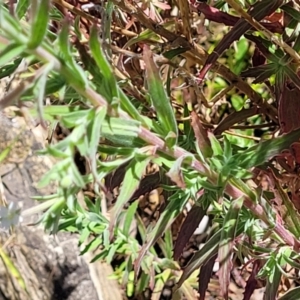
10,52
109,81
158,95
262,152
39,24
131,182
174,207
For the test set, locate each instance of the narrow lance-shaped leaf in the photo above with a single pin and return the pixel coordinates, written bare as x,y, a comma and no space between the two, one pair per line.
10,52
215,145
226,245
131,182
22,7
160,101
94,133
39,89
39,24
109,81
264,151
252,281
273,285
11,27
129,217
72,72
175,206
235,118
295,14
264,48
106,25
202,256
204,276
120,127
187,229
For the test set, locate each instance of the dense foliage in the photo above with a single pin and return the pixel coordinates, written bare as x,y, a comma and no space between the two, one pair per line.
195,103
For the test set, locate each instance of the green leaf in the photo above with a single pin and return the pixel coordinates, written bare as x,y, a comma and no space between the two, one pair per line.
22,7
175,52
176,204
51,217
127,105
215,144
262,152
9,68
131,182
228,235
161,102
94,133
92,245
119,127
39,24
273,282
39,88
10,52
295,14
72,73
11,26
106,26
129,217
12,269
109,81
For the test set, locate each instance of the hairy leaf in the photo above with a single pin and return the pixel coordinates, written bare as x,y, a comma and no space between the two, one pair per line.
259,154
39,24
159,97
131,182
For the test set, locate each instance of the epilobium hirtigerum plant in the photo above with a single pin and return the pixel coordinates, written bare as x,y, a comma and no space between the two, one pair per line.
162,114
